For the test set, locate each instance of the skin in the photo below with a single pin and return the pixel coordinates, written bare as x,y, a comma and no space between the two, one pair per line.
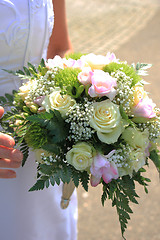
59,44
9,157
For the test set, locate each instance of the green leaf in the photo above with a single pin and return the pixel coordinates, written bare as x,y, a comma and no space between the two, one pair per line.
85,180
3,100
39,185
154,156
9,97
75,178
32,67
46,169
53,148
52,181
27,71
25,150
47,183
42,63
125,116
56,176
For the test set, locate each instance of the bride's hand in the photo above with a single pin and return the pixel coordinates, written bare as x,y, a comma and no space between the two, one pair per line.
9,157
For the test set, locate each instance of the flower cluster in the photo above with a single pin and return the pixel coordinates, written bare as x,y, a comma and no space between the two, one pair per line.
97,122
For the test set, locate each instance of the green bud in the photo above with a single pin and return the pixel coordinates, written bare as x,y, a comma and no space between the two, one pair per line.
33,108
26,109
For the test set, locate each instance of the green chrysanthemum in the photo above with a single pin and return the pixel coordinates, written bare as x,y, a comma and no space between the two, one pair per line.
36,136
128,70
75,56
67,80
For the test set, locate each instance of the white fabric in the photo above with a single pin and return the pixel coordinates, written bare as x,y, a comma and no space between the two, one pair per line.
25,27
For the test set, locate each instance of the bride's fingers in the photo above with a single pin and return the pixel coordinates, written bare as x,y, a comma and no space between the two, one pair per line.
10,153
1,111
5,173
6,140
7,163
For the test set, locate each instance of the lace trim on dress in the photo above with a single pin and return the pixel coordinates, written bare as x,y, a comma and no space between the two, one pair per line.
35,4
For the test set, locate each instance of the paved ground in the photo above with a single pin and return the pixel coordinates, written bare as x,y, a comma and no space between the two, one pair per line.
130,28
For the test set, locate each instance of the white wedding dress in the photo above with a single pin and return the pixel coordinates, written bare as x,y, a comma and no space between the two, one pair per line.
25,28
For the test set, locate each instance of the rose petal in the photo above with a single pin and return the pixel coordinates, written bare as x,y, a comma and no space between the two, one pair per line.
94,181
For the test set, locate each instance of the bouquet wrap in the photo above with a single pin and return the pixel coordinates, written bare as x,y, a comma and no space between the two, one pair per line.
90,121
67,191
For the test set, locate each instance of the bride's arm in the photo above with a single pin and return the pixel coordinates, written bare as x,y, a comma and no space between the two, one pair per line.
60,43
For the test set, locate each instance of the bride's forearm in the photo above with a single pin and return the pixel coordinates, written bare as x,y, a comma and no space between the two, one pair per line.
60,43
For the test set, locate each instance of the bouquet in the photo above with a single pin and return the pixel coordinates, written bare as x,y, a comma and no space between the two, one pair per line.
90,121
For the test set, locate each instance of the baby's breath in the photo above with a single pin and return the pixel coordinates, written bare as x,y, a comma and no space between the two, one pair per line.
45,85
153,128
78,117
124,83
121,156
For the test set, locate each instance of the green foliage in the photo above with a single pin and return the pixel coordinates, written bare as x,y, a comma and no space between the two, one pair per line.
74,56
55,125
121,192
141,68
31,71
75,91
39,185
155,157
18,102
52,148
140,179
25,150
128,70
60,171
7,99
125,116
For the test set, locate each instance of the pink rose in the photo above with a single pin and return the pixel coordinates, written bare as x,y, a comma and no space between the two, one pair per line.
111,57
145,108
73,63
39,100
85,76
103,168
102,85
57,61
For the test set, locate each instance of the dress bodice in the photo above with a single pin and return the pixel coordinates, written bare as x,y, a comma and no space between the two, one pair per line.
24,36
25,28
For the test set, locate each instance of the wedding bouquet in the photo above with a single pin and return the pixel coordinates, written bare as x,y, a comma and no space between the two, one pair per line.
89,121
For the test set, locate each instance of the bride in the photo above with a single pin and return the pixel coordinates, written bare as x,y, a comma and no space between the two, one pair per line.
27,35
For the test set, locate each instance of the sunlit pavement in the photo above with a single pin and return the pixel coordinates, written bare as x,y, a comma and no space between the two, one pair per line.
130,29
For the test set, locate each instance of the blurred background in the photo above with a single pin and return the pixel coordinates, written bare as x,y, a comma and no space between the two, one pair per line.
130,29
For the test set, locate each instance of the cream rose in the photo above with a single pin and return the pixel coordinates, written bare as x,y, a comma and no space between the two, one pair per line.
136,138
25,88
80,156
98,61
138,94
107,121
56,101
39,153
136,160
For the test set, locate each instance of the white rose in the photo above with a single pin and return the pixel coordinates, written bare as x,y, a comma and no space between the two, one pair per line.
80,156
107,121
26,87
56,101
